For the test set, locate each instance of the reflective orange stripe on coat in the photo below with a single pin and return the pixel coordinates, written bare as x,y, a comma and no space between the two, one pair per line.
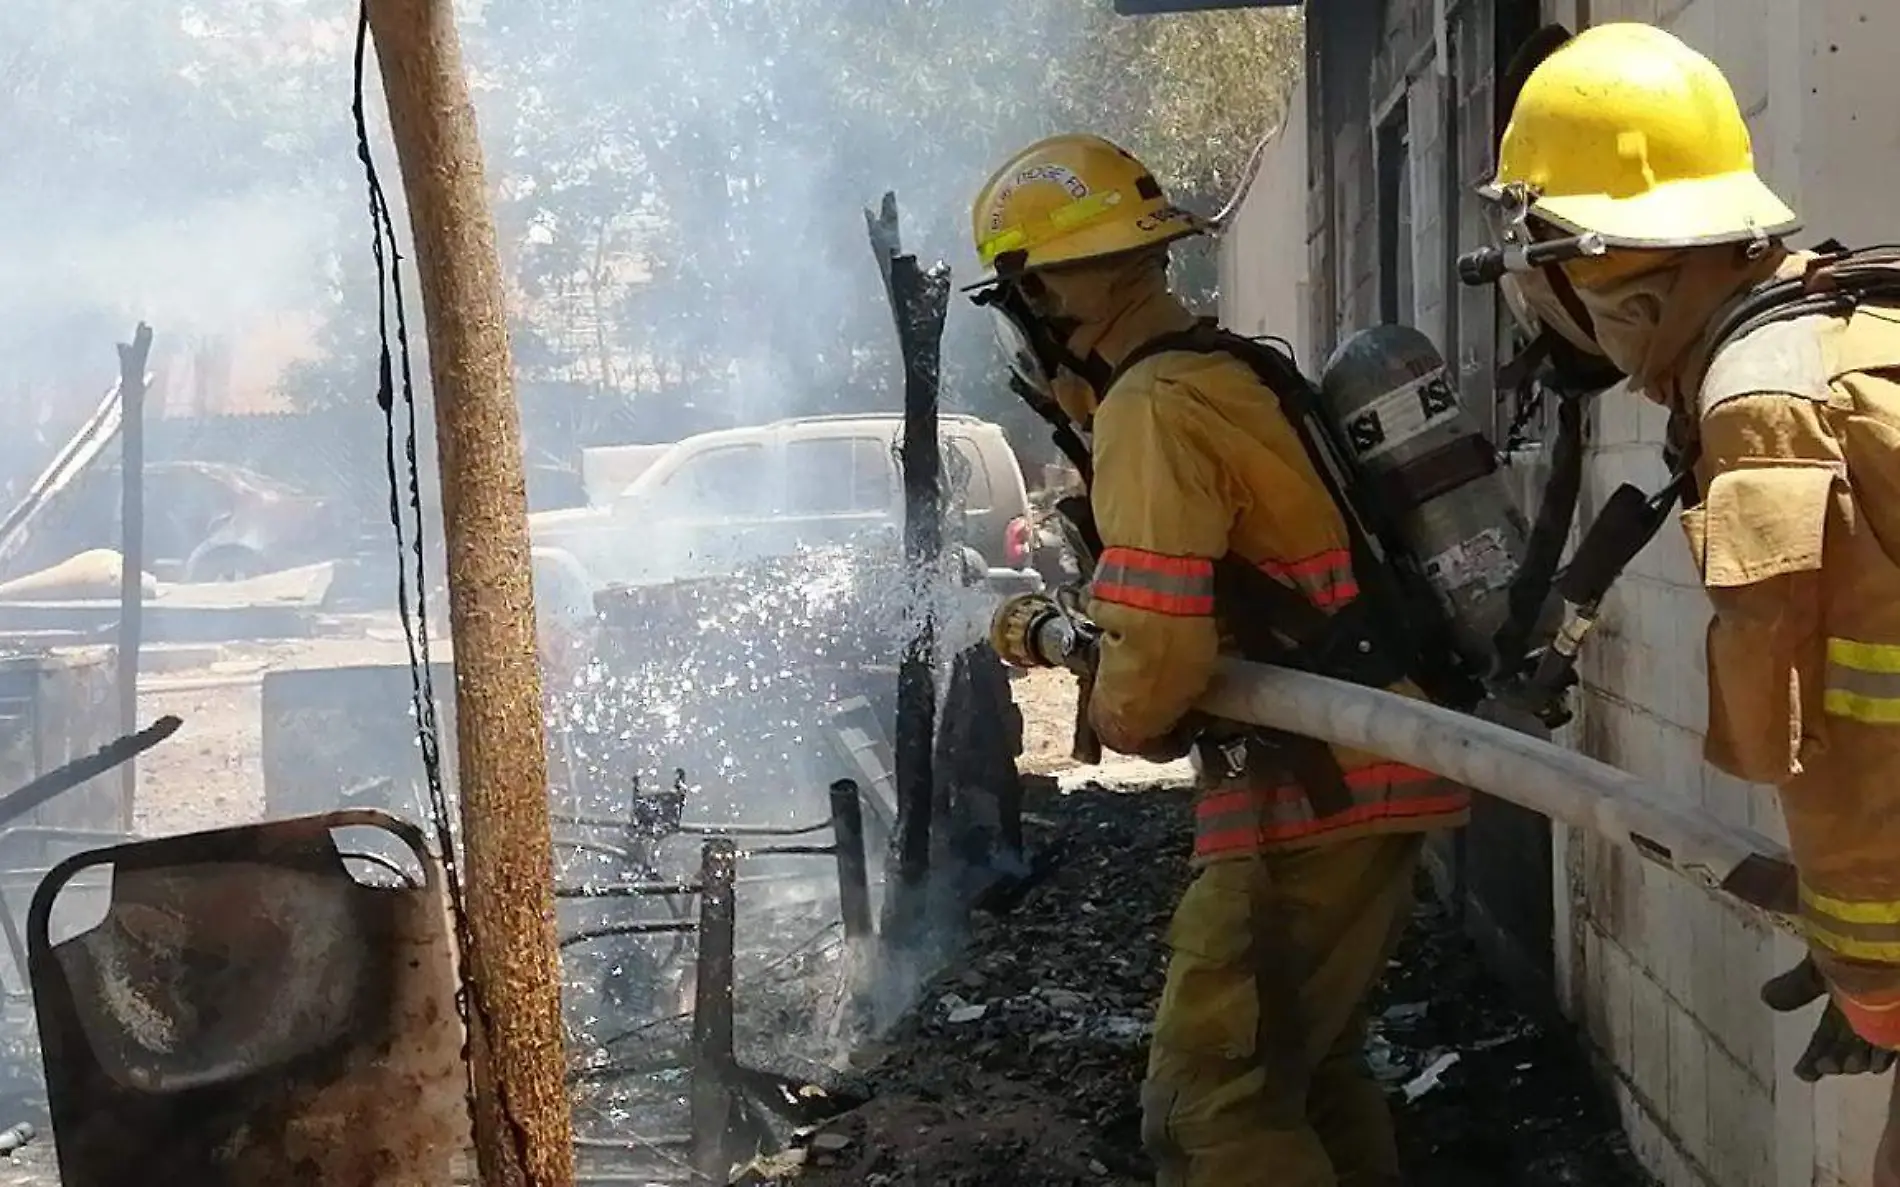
1325,577
1179,585
1874,1018
1233,821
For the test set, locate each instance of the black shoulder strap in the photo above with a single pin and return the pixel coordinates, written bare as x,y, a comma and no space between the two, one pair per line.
1336,644
1835,282
1274,366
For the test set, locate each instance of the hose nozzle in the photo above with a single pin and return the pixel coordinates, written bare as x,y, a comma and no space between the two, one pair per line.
1033,630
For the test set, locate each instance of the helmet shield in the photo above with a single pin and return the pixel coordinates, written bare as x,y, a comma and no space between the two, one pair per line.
1027,341
1019,351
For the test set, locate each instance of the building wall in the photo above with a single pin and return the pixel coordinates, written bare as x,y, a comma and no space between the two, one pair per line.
1263,254
1661,977
1664,976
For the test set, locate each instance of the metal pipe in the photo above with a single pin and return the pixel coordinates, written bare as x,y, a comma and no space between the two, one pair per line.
628,890
645,927
133,357
713,1051
752,830
791,851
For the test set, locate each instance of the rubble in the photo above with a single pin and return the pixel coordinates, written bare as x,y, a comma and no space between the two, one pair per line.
1020,1063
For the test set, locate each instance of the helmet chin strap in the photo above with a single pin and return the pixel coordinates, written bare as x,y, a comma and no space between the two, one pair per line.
1092,367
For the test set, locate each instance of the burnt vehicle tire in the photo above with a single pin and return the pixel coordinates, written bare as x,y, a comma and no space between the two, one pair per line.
223,562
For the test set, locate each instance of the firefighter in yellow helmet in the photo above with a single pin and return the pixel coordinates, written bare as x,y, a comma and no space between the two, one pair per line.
1209,518
1628,166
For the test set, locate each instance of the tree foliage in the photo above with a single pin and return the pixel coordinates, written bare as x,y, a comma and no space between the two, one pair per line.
684,182
680,183
133,138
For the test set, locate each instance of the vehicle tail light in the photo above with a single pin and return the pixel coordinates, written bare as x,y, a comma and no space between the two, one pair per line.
1016,542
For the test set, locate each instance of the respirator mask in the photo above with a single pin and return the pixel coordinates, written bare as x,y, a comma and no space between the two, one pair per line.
1033,344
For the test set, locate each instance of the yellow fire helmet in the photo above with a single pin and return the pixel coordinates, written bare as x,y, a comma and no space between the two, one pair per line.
1627,132
1067,199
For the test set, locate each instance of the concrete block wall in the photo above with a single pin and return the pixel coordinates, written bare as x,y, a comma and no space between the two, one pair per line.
1662,976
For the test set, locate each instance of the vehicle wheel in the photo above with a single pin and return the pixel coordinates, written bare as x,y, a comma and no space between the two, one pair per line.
222,562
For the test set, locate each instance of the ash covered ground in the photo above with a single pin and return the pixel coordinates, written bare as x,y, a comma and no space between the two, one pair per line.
1019,1064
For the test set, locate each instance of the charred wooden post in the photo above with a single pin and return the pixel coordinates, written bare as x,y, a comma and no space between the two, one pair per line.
713,1053
920,302
133,357
854,875
523,1131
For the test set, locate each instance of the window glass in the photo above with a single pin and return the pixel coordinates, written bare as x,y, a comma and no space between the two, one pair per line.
720,483
818,477
839,476
875,484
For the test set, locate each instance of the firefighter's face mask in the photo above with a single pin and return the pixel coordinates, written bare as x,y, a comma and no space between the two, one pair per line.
1536,307
1649,311
1626,315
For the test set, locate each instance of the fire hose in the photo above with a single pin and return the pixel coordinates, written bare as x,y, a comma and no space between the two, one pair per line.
1031,630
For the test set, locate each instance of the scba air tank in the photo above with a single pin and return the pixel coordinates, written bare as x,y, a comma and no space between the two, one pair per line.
1429,475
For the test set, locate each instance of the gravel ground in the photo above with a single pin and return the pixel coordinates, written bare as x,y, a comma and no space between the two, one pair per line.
1020,1065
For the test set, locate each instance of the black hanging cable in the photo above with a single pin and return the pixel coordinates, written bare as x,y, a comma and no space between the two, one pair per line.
415,622
394,370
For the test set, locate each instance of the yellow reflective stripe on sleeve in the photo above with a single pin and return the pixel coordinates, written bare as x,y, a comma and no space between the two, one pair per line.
1863,681
1852,947
1860,929
1850,910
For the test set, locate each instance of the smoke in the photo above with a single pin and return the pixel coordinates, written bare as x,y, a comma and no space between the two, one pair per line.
206,269
158,165
751,137
680,195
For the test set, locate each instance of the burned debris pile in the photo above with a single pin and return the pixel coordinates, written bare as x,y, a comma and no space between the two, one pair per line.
1021,1064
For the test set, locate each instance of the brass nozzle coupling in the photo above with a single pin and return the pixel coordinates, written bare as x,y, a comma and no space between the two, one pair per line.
1014,628
1036,631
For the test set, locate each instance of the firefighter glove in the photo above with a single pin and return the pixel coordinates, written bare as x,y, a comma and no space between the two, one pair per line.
1835,1050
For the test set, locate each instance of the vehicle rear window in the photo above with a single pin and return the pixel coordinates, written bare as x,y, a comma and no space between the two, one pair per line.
876,469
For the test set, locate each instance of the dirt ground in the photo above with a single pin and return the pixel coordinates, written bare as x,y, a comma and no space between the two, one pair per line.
211,772
1020,1066
1047,699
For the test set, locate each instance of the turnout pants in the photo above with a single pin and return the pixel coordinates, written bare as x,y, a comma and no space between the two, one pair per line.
1257,1075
